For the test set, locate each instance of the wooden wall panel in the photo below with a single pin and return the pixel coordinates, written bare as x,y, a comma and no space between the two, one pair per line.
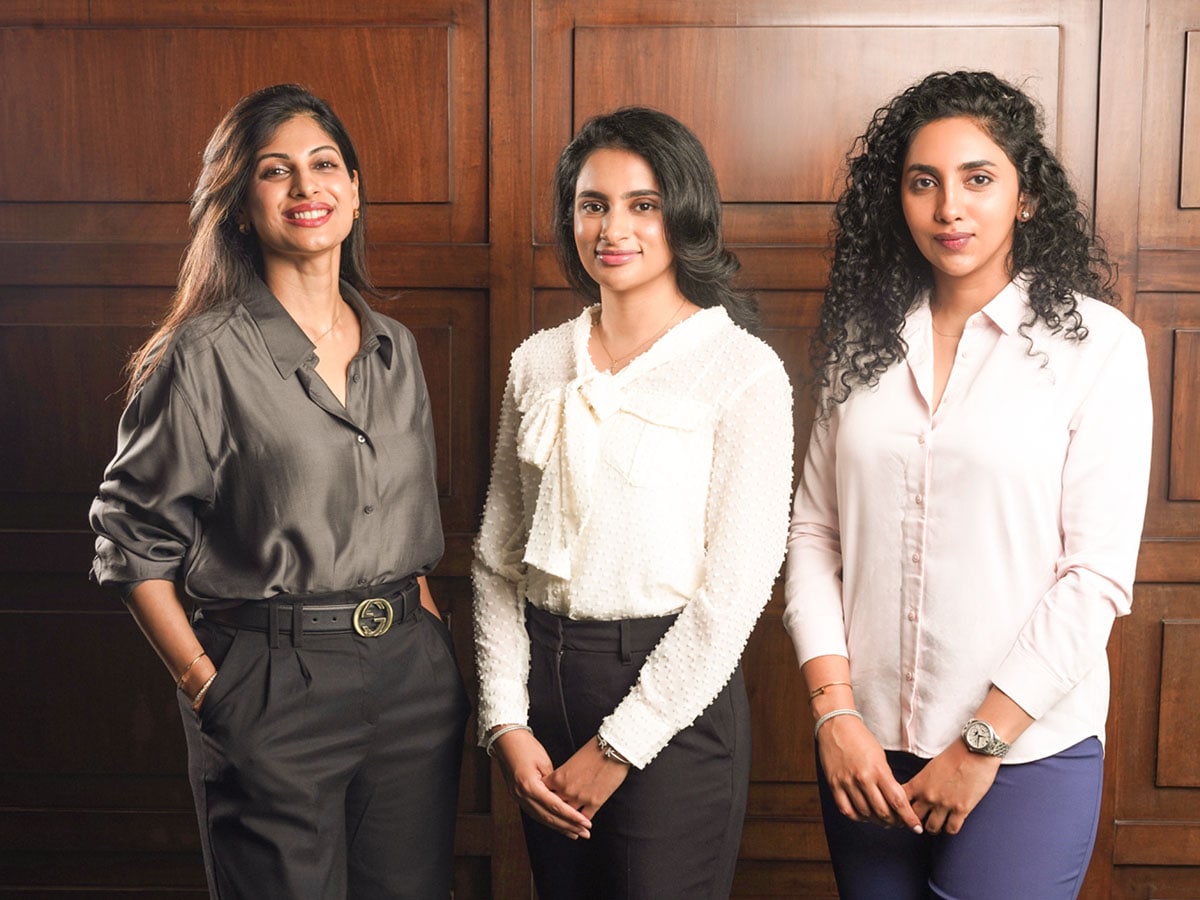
1160,317
1178,725
99,71
1185,416
1162,223
1189,169
774,133
460,108
765,86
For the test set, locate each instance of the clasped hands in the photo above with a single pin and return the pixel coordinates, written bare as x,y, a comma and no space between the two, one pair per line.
937,799
565,798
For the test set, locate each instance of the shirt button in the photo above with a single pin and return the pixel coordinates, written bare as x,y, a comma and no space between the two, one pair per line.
921,439
920,499
912,615
368,509
916,557
362,579
908,676
356,378
362,438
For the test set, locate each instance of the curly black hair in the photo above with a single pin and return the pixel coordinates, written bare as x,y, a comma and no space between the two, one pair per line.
878,273
704,268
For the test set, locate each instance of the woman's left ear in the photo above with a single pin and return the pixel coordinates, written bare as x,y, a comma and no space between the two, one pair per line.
1026,207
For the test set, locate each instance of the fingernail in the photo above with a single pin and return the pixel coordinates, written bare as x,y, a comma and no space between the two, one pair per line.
917,829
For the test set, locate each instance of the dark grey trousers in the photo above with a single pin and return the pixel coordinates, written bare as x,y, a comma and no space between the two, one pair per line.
329,770
672,830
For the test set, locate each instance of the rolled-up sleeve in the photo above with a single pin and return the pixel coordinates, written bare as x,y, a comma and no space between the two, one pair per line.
146,512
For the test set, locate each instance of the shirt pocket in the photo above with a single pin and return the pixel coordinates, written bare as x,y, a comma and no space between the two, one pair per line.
658,441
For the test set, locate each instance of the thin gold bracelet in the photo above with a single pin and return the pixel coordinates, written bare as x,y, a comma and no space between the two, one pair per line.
817,692
186,669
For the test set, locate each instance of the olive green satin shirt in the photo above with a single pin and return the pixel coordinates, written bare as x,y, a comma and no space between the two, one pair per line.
239,476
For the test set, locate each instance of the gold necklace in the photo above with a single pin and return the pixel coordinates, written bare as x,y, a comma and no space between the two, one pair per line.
943,333
613,361
324,334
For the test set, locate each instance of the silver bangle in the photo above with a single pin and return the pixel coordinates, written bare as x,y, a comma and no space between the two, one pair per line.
833,714
611,752
489,744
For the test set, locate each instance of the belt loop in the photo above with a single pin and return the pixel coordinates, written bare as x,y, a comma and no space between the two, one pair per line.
297,624
273,622
626,640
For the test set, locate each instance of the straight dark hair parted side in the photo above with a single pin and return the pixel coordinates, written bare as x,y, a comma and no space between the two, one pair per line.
704,268
220,263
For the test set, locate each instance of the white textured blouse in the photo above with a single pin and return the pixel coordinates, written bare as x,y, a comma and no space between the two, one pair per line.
992,541
661,489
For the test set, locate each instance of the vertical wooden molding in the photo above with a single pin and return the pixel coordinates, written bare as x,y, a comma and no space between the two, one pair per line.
510,237
1178,762
1184,480
1122,79
1189,153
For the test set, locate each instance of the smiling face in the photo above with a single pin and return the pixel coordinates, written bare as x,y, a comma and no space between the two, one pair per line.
302,198
620,232
961,198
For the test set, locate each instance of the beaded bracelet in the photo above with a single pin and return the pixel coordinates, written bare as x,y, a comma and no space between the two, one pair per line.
199,698
489,744
833,714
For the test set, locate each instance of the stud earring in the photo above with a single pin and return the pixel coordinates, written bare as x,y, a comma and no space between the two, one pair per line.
244,227
356,214
1024,215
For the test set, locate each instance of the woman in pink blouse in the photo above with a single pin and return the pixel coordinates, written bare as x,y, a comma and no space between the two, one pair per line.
968,520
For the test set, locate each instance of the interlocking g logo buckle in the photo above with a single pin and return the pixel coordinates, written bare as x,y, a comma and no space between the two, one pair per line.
373,617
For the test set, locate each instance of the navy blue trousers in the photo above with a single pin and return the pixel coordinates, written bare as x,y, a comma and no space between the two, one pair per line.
329,770
671,831
1030,837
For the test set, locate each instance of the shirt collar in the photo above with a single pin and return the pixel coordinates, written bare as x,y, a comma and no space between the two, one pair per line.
1006,311
287,343
1009,307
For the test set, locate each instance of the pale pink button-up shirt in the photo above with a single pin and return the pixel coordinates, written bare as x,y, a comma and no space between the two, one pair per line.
993,541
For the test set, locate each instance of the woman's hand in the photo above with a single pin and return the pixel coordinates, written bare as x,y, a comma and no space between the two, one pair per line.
860,778
526,765
950,786
588,778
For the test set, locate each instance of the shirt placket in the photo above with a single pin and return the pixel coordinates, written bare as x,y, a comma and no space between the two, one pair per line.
912,593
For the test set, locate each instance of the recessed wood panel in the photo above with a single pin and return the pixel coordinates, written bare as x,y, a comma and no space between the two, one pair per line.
773,131
1161,316
1185,417
100,146
1189,169
1151,667
66,407
451,332
1169,143
1178,724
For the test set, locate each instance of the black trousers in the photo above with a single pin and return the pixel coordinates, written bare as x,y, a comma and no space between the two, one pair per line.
672,830
328,770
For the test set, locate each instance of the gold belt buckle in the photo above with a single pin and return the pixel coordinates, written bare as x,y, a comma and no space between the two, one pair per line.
373,617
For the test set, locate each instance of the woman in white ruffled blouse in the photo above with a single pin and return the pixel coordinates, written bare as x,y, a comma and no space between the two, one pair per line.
636,519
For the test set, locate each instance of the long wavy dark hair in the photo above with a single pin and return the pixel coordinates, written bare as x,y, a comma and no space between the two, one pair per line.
220,263
878,273
704,268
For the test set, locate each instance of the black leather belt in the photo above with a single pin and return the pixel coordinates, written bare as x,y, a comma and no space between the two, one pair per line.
370,616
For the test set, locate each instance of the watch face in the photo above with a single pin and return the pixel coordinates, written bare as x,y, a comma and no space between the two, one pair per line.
977,735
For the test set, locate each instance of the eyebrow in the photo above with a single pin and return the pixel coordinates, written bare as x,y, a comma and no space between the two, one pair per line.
600,195
311,152
965,167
